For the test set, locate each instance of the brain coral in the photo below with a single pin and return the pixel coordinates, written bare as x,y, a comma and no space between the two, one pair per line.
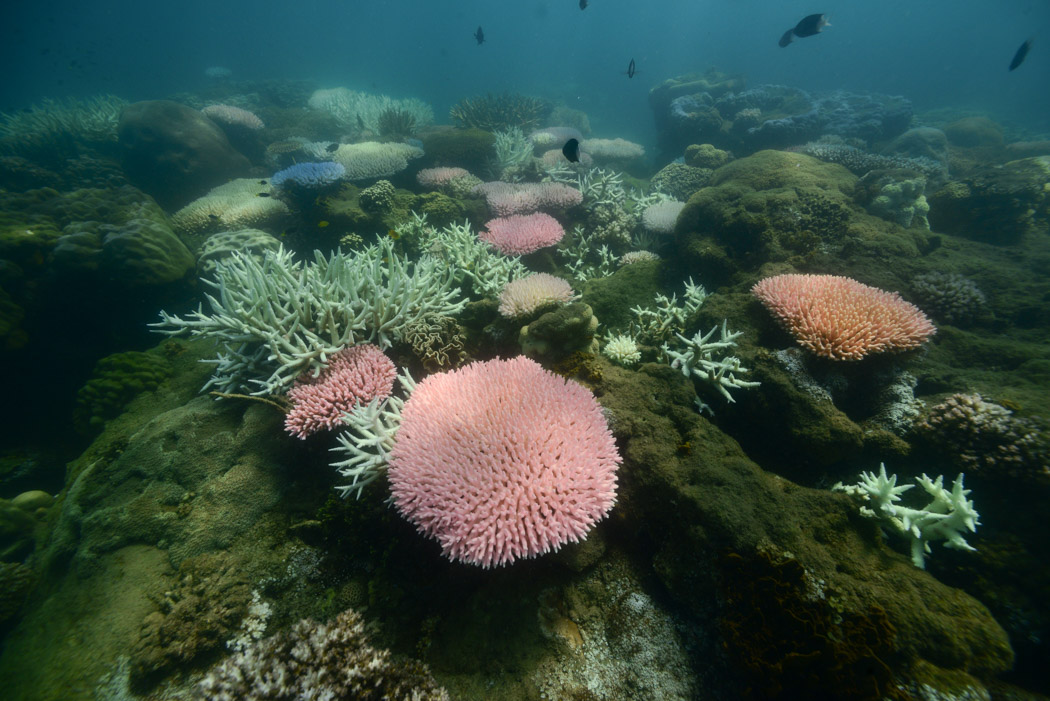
840,318
502,460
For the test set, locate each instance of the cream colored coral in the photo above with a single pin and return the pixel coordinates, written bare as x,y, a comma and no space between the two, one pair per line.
244,203
371,159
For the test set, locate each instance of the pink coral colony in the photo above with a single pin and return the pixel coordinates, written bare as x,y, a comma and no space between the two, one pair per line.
502,460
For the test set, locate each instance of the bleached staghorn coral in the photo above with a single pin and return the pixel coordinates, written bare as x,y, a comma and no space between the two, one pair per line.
586,260
93,120
656,324
276,318
948,515
369,438
469,259
699,360
371,159
513,150
361,111
245,203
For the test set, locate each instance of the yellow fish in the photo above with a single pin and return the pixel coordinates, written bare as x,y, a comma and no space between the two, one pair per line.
393,234
322,224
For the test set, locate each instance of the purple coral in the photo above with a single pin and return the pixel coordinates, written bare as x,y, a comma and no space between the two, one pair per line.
309,175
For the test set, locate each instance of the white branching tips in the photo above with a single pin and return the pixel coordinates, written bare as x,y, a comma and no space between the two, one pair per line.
275,318
699,360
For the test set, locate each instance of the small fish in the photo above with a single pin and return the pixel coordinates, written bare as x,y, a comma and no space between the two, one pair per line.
263,182
583,4
263,194
332,147
393,234
807,27
571,149
630,69
1019,57
213,216
322,224
480,36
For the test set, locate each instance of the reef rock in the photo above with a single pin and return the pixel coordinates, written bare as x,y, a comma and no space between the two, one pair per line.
996,204
174,152
774,116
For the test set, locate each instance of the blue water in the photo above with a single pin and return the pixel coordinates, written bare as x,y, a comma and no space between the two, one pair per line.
936,53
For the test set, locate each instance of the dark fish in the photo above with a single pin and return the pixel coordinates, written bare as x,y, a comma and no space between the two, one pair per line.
213,216
807,27
583,4
480,36
630,69
571,149
332,147
1022,51
263,194
263,182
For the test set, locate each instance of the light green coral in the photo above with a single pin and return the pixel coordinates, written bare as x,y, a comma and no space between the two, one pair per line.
902,202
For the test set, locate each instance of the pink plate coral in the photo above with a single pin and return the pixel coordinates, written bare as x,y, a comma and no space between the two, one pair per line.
502,460
520,234
840,318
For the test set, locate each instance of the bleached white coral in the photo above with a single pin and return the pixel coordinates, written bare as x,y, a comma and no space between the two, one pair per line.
369,438
245,203
667,317
470,260
948,515
622,349
371,159
361,111
276,318
699,360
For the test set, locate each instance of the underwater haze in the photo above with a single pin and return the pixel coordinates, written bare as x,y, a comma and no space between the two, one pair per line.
932,52
556,350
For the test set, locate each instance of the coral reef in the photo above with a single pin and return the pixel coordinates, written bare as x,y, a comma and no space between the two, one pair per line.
786,116
361,112
309,176
679,180
996,204
175,153
333,660
895,197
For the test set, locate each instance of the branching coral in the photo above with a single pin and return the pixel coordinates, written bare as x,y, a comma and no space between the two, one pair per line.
496,112
277,318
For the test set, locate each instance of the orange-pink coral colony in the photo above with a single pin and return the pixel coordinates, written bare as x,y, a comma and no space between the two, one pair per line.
842,319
